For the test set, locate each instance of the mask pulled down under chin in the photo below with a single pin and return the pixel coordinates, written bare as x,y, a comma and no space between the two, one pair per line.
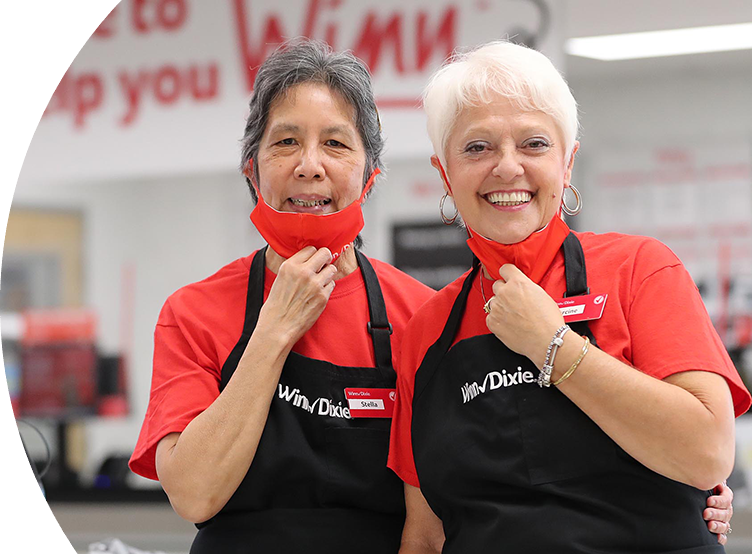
532,256
289,232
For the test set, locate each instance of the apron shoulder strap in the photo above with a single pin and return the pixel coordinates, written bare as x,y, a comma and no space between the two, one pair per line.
576,276
574,267
458,310
253,301
437,351
255,296
378,327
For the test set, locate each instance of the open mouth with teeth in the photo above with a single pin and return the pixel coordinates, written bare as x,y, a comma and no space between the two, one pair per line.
309,203
509,199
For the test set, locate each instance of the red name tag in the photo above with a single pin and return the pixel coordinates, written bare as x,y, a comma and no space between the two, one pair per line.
582,308
370,402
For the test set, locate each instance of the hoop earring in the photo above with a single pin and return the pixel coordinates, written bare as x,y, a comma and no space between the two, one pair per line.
444,218
566,209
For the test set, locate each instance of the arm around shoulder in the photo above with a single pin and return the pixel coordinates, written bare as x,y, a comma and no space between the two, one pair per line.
423,532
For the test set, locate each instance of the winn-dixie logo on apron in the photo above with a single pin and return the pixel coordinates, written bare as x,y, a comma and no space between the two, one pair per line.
320,406
496,380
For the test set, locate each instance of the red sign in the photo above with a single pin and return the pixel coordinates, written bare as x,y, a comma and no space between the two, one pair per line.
59,326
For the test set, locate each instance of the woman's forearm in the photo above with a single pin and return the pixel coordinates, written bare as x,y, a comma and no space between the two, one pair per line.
423,532
202,467
681,427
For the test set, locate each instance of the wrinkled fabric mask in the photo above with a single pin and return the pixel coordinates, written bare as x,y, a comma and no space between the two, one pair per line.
532,256
290,232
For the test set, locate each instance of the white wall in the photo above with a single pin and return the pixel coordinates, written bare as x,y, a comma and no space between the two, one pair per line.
673,105
170,232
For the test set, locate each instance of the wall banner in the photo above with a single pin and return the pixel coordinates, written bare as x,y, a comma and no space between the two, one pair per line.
162,86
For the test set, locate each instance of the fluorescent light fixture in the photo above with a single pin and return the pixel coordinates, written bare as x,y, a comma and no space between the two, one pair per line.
673,42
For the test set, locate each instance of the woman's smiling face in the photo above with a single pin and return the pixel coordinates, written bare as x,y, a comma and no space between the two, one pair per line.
507,169
311,158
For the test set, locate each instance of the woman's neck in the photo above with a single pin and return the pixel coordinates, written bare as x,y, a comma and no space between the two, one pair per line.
345,264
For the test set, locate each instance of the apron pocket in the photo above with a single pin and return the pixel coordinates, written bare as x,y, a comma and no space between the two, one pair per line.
559,440
357,475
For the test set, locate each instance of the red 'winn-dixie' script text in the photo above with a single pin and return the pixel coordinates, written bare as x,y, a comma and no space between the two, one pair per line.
65,89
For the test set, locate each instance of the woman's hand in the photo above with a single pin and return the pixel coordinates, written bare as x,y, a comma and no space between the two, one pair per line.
719,511
523,316
203,466
423,532
299,293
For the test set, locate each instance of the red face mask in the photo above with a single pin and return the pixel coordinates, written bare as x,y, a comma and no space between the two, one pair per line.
532,256
290,232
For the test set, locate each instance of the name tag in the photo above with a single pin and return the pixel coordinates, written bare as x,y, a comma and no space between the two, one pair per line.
371,402
582,308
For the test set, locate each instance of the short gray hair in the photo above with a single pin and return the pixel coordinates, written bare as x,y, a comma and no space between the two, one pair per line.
521,74
309,61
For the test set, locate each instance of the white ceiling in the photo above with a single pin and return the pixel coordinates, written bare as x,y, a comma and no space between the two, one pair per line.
600,17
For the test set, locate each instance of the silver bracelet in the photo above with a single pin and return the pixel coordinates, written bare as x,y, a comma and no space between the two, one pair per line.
544,378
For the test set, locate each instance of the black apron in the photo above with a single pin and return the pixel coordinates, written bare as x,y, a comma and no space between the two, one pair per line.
318,482
512,467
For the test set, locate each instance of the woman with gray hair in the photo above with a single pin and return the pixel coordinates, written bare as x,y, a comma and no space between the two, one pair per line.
268,423
540,404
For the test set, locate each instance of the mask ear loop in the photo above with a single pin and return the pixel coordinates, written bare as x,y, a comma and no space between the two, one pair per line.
561,204
251,176
369,183
444,175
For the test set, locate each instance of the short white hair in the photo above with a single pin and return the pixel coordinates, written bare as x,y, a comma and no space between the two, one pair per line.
521,74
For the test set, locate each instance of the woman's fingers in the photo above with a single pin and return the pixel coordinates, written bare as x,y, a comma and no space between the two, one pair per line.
301,291
320,259
326,275
723,497
313,260
303,255
329,287
713,515
311,257
720,512
521,314
721,529
508,272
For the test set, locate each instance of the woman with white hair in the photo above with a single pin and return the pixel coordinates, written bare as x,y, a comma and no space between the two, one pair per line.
526,426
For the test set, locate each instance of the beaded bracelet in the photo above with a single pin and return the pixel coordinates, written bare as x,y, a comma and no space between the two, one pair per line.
575,365
544,379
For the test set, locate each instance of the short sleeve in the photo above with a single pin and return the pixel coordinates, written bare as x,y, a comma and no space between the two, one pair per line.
400,445
671,331
418,336
181,389
422,331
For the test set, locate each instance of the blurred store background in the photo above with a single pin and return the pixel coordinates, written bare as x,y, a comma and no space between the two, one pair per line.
130,190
